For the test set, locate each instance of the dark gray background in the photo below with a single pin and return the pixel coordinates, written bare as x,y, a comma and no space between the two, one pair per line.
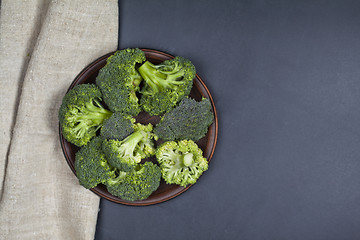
285,79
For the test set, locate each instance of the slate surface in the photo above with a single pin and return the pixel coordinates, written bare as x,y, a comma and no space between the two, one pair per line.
285,79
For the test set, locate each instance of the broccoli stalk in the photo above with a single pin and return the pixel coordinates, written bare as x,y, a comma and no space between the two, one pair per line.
90,117
134,83
173,161
126,154
122,154
188,159
160,77
181,162
165,84
127,147
81,114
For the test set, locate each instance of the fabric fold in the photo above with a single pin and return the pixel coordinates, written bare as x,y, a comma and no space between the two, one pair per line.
41,196
18,36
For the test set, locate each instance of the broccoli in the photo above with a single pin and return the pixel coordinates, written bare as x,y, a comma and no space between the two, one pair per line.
119,81
189,120
91,165
181,163
165,84
126,154
146,145
137,184
81,114
117,127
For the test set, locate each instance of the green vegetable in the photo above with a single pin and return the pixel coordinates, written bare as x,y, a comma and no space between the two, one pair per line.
126,154
165,84
117,127
119,81
81,114
137,184
91,165
181,163
189,120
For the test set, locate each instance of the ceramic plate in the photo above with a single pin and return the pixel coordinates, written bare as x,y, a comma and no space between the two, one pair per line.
207,144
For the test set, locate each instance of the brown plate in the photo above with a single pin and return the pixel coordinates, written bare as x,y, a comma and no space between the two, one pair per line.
207,144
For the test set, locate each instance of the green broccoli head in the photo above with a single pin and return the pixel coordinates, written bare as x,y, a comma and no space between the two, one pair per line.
137,184
117,127
165,84
81,114
126,154
181,163
189,120
119,81
91,165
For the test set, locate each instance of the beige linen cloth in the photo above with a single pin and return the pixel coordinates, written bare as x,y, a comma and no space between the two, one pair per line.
43,46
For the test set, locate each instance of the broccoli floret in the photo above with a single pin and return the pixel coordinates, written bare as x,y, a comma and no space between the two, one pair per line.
137,184
181,163
146,145
91,165
165,84
119,81
117,127
126,154
81,114
189,120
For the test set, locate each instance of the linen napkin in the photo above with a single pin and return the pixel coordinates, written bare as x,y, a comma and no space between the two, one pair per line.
43,46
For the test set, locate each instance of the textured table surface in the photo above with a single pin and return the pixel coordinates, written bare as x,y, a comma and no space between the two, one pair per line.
285,79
